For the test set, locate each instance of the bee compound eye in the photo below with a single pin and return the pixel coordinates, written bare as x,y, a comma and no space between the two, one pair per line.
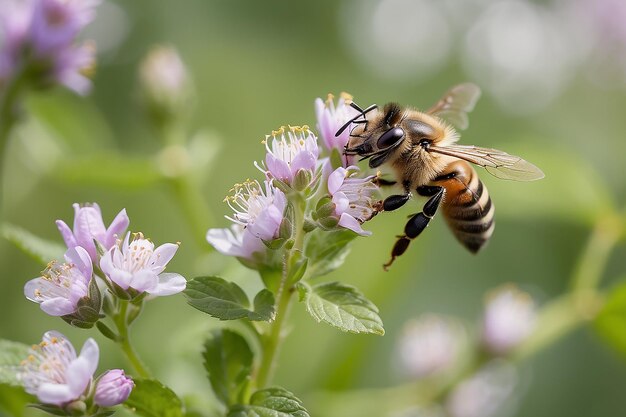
390,138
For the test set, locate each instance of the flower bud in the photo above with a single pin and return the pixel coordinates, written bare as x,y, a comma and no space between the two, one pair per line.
509,318
113,388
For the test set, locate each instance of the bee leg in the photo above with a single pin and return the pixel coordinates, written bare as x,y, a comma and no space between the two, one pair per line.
417,222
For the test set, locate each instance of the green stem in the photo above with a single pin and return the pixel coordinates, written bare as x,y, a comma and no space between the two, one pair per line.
121,322
8,117
274,338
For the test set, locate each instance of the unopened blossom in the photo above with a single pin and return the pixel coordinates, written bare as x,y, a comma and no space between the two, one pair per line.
290,151
137,266
88,225
352,198
509,318
113,388
54,374
41,35
164,79
330,119
429,345
483,394
61,286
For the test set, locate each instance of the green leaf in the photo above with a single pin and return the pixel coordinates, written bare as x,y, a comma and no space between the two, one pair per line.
271,402
610,323
227,301
228,361
41,250
150,398
342,306
297,267
11,354
327,250
13,400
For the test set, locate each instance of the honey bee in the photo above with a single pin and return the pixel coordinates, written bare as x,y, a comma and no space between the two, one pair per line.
420,146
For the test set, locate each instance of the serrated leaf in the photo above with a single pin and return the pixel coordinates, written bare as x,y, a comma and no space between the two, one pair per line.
13,400
41,250
227,301
327,251
228,362
344,307
11,354
150,398
271,402
611,321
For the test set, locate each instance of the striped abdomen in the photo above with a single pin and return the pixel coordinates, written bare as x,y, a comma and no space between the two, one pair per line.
467,206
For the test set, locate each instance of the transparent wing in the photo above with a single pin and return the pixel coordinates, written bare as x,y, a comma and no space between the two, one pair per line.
456,103
497,163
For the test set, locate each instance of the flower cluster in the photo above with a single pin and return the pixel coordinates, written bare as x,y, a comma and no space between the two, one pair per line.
39,41
57,377
130,269
302,191
433,346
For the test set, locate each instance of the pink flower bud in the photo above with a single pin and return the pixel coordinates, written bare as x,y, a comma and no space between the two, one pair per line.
113,388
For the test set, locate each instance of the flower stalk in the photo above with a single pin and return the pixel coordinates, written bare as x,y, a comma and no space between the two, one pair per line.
122,320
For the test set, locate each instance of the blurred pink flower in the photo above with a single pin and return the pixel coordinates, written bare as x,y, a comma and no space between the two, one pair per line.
352,197
61,286
138,266
330,119
41,35
509,318
113,388
54,374
88,225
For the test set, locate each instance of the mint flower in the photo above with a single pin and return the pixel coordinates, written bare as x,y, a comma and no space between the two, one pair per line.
54,374
235,241
113,388
330,119
291,151
61,286
136,267
88,225
352,198
259,210
40,35
509,318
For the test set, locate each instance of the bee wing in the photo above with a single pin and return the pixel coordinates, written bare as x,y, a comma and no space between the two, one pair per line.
456,103
498,163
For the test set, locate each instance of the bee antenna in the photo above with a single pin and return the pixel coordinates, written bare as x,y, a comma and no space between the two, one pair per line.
353,120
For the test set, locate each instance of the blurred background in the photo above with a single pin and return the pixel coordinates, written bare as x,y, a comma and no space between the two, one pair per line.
553,75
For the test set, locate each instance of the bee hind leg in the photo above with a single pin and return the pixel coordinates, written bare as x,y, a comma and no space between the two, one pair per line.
417,222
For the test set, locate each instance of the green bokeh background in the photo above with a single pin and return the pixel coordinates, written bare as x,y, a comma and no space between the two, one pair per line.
259,65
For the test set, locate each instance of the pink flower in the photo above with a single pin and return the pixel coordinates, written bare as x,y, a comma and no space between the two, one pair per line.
88,225
330,119
235,241
352,197
41,35
61,286
290,150
113,388
137,265
509,318
54,374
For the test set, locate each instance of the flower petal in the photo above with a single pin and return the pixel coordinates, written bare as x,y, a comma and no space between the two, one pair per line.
80,257
58,306
353,224
278,168
118,226
66,233
80,371
225,241
144,280
161,256
57,394
169,284
335,180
